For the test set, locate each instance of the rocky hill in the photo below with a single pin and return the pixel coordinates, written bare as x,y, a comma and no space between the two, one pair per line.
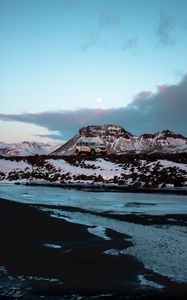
119,141
25,149
116,171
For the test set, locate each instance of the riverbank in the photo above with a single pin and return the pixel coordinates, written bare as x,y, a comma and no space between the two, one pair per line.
52,258
109,188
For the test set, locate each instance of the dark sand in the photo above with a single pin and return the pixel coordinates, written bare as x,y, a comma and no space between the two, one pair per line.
81,269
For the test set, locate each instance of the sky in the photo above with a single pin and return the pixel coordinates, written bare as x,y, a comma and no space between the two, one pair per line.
65,64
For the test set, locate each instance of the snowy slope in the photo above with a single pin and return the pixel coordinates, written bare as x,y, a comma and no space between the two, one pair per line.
147,173
25,148
118,140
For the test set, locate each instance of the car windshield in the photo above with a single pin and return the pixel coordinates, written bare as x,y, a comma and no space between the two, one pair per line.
94,144
98,145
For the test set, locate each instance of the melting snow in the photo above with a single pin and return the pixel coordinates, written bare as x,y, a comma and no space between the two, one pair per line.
144,281
99,231
162,250
114,252
53,246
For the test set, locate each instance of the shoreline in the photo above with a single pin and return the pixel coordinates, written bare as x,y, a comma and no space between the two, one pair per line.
107,188
56,259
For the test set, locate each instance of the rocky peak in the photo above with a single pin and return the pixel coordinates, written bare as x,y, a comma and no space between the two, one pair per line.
164,134
147,136
105,130
170,134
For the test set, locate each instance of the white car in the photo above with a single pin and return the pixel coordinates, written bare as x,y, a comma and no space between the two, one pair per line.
90,148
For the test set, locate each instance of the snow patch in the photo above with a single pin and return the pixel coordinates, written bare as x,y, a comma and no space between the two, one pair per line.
114,252
99,231
151,283
55,246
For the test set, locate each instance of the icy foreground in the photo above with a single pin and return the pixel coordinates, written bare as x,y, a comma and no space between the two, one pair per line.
162,250
158,239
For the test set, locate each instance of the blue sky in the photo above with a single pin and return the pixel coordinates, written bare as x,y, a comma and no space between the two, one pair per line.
65,58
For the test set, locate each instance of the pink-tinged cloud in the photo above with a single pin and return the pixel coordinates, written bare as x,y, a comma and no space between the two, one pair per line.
163,87
143,95
148,112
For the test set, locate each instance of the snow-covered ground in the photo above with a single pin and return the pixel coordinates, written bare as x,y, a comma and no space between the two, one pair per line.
102,167
141,173
7,166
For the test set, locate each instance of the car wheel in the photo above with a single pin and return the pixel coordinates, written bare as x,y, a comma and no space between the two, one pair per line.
92,152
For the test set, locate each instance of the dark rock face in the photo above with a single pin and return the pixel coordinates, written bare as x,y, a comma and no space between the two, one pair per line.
105,130
147,135
163,135
172,134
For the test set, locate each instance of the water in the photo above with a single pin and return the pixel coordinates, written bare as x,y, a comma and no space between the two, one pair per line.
121,203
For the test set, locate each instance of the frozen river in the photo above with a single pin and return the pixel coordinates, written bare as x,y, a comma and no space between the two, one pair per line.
121,203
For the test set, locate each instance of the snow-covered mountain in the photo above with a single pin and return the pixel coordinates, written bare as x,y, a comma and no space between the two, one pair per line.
25,148
118,140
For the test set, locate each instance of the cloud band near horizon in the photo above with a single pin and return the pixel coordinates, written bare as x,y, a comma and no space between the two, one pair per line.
148,112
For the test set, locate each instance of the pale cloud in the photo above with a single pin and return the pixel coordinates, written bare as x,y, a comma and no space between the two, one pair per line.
163,87
164,30
109,18
148,112
93,38
130,43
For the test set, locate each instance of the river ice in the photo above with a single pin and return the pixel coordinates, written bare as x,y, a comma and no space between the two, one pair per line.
120,203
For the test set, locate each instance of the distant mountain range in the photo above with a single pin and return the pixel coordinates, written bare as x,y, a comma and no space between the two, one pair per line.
116,139
154,168
119,141
25,149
